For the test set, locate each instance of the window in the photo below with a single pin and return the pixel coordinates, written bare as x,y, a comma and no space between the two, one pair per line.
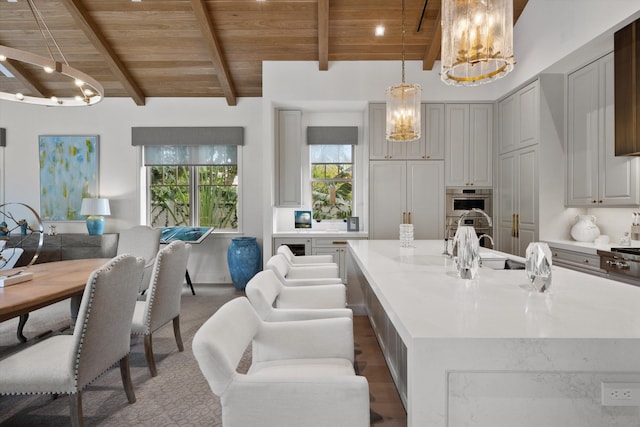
331,181
178,176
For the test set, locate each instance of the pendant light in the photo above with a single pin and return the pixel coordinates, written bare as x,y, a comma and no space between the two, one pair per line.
403,106
477,41
89,91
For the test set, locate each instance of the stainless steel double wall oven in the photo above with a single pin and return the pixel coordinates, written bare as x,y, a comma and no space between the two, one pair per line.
460,200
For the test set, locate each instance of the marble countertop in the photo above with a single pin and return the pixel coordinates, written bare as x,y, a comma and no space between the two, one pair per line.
424,298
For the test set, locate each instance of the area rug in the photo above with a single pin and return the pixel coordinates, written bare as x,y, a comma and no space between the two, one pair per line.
178,396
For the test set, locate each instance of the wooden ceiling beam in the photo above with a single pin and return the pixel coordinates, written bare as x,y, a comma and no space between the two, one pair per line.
433,49
26,78
323,35
206,27
90,29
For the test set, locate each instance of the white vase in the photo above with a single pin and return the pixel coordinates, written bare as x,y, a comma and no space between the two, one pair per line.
585,228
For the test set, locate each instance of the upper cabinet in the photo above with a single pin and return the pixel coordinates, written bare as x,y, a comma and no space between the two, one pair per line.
468,148
595,177
627,89
518,119
430,146
288,158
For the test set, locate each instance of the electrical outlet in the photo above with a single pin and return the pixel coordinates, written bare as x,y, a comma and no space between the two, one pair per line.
620,394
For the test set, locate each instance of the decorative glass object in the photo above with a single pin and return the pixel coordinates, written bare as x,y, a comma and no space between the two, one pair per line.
403,106
406,235
466,250
538,266
477,41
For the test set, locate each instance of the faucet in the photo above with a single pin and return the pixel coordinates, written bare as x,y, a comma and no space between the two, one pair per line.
488,237
480,211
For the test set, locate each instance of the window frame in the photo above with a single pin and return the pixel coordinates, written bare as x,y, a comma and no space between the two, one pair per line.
146,193
311,180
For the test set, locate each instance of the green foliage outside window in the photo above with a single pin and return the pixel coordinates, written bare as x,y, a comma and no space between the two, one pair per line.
214,187
332,190
170,195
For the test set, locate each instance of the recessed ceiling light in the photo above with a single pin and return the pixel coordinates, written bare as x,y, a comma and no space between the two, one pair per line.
379,31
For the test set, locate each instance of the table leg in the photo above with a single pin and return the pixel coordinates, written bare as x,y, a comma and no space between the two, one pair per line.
186,276
21,323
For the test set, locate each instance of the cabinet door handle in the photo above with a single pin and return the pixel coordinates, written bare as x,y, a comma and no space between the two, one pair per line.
517,225
404,217
409,217
513,225
339,242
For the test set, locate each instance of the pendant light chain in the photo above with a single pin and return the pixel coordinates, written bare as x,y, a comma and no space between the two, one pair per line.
403,42
42,23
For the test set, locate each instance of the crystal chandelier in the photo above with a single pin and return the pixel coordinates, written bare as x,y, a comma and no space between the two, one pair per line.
477,41
89,91
403,106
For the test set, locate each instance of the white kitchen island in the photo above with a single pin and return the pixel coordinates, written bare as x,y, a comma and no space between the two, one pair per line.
490,351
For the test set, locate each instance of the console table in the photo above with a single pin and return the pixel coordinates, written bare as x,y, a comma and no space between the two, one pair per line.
65,246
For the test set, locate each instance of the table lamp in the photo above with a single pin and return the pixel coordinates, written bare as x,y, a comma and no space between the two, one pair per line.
95,209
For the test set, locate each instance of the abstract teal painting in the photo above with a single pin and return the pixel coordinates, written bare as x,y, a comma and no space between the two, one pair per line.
68,173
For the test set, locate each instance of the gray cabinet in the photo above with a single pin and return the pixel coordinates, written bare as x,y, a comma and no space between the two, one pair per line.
288,158
409,192
528,195
518,118
430,146
517,213
595,176
468,147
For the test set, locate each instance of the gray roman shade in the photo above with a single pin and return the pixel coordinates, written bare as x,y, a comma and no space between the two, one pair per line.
195,146
219,135
332,135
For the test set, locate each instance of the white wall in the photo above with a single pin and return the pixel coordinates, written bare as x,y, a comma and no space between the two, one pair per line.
120,162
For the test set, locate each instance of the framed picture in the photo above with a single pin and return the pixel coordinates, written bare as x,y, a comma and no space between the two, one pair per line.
68,173
302,219
353,223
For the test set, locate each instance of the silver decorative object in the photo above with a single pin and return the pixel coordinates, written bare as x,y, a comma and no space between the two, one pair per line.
538,266
20,226
466,250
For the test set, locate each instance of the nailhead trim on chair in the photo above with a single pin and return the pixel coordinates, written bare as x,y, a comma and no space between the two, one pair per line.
114,260
75,379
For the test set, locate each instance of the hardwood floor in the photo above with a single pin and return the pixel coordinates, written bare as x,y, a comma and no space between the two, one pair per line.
386,407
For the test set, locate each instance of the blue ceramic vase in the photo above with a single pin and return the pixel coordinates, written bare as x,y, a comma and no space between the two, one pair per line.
243,258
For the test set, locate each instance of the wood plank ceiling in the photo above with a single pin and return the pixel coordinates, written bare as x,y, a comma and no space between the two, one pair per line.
209,48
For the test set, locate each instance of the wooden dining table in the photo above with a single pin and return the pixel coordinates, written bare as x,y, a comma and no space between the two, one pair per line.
52,282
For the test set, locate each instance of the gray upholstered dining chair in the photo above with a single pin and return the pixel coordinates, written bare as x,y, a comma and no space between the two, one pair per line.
141,241
301,373
275,302
163,298
101,337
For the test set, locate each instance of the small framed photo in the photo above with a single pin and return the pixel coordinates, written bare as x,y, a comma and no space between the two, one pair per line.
302,219
353,223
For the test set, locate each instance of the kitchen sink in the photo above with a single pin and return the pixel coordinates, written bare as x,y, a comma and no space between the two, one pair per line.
511,264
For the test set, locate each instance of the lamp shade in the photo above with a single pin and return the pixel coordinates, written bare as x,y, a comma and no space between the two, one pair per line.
95,207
